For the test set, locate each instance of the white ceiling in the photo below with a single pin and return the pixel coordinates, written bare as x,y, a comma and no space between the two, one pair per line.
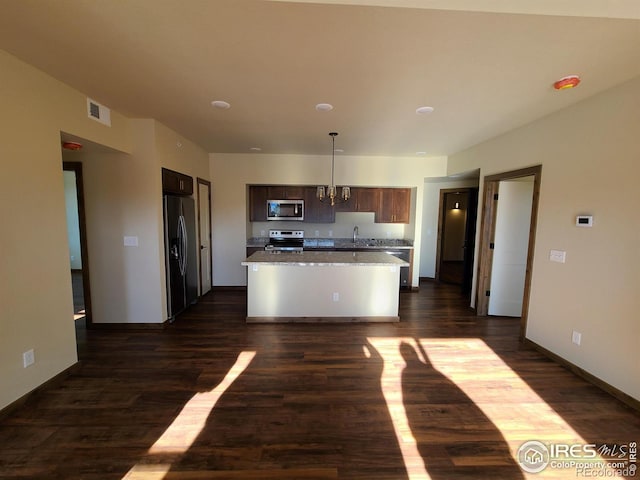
485,72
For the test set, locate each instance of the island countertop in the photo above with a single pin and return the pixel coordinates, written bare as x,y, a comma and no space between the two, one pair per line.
332,258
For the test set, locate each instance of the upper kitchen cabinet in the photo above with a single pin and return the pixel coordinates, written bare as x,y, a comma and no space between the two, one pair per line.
258,203
394,205
259,194
390,205
316,211
285,192
176,183
362,199
366,199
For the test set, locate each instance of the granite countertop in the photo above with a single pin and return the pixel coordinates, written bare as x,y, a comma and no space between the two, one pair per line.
334,258
342,243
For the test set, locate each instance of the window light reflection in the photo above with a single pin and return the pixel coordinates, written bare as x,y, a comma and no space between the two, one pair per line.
186,427
482,375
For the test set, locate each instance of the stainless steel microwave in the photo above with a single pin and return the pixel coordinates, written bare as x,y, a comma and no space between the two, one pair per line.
285,210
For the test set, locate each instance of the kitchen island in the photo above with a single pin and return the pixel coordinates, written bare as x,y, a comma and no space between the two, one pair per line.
323,287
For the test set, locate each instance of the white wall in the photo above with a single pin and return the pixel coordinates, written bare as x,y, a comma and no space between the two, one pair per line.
35,283
231,173
35,110
589,155
123,197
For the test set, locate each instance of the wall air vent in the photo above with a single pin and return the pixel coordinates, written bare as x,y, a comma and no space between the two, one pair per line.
98,112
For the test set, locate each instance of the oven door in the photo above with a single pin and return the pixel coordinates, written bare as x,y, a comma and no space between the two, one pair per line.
285,210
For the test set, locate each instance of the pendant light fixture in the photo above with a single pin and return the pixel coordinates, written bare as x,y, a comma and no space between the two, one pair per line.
331,193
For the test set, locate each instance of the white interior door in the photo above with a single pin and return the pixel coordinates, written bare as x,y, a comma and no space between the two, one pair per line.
204,220
513,220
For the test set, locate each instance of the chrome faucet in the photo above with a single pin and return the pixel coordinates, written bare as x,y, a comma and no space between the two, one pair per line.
355,233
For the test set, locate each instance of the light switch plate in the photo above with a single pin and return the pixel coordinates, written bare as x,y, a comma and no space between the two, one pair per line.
558,256
576,337
130,241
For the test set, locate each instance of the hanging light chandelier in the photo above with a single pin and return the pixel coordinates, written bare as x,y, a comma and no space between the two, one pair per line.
331,192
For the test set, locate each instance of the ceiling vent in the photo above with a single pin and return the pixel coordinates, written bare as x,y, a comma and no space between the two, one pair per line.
98,112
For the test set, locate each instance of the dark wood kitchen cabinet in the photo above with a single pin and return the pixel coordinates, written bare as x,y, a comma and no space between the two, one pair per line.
258,203
366,199
259,194
176,183
363,199
285,192
390,205
316,211
394,205
252,250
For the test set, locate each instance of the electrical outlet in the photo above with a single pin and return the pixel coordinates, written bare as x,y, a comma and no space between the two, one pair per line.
28,358
317,232
336,297
331,233
576,337
262,233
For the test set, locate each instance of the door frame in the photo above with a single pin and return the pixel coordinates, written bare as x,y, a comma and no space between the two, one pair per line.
76,167
206,183
487,233
441,218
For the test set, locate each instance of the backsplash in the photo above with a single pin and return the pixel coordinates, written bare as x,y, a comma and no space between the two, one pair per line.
342,228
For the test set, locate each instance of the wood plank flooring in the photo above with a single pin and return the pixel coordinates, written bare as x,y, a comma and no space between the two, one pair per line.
442,394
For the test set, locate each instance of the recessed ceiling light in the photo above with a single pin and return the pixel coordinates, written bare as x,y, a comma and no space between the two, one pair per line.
221,104
324,107
424,110
421,153
255,149
567,82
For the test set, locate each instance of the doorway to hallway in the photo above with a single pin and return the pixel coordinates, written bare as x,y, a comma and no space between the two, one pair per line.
488,240
77,234
456,237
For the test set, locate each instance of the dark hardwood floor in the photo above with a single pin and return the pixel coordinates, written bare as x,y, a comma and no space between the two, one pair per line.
442,395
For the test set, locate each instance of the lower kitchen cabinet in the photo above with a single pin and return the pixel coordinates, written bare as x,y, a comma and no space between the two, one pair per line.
252,250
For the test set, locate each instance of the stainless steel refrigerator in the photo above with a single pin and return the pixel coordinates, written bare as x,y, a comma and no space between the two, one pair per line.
180,253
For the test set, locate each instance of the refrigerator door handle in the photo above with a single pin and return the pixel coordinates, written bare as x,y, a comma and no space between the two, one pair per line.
178,245
183,245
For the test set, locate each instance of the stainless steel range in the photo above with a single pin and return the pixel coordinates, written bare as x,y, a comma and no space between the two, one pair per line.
285,241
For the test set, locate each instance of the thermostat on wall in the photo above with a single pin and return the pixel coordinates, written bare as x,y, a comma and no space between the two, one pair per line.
584,221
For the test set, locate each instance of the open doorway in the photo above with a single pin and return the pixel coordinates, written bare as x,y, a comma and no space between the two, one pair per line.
456,237
77,234
204,233
519,211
